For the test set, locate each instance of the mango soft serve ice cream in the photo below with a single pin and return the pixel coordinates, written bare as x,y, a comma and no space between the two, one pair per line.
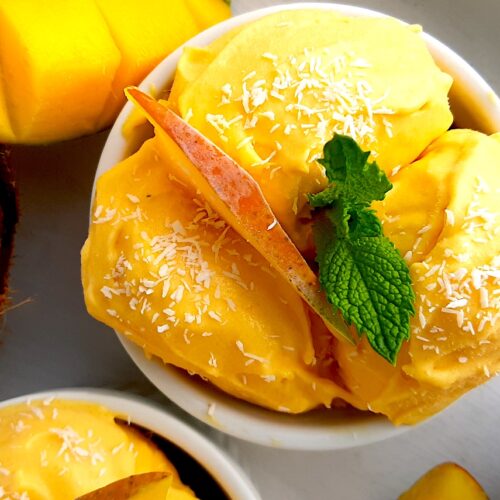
64,449
163,268
273,92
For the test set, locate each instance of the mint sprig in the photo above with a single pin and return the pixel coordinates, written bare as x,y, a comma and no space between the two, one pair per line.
361,271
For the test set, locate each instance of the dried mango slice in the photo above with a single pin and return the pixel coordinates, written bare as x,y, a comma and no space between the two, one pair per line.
147,486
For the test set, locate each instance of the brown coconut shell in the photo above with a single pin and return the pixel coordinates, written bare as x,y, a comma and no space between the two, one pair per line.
9,214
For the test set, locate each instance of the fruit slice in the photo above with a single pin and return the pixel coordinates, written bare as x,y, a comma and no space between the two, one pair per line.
237,197
447,481
147,486
58,62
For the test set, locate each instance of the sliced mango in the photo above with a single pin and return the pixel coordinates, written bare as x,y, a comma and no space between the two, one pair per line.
447,481
58,62
147,486
63,65
237,197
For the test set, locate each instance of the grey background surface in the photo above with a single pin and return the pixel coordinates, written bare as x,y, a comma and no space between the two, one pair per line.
51,342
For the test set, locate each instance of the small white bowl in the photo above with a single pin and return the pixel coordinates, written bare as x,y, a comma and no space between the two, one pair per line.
152,417
322,429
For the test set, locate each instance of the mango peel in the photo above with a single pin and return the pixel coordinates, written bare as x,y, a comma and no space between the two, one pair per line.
63,68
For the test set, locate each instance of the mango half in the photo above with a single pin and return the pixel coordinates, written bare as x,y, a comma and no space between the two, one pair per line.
63,65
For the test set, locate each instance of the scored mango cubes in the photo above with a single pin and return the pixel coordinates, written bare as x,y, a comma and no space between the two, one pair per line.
58,61
64,64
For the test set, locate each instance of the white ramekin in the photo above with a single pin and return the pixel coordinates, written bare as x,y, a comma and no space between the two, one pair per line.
322,429
152,417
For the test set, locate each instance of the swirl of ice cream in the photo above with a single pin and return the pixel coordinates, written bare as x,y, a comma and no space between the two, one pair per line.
442,214
273,92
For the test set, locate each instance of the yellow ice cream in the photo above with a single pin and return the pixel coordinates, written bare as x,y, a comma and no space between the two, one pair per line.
64,449
443,215
273,92
162,268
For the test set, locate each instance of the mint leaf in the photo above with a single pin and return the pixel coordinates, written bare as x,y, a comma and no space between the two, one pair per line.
364,223
324,198
357,181
368,281
362,273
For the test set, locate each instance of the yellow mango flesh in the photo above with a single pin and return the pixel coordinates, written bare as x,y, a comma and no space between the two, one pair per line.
441,214
64,65
447,481
158,490
58,62
208,12
143,35
273,92
6,132
162,268
64,449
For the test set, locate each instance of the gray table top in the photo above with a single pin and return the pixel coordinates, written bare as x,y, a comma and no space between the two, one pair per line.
51,342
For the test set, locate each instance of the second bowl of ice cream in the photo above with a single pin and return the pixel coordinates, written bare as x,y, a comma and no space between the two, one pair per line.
67,444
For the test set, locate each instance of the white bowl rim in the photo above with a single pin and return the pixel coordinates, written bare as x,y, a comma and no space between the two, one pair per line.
152,416
232,416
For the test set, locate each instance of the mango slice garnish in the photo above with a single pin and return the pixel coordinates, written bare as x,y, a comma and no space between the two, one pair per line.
448,481
238,199
147,486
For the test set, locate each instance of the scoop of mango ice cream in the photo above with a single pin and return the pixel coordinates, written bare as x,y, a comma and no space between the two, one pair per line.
442,214
64,449
162,268
273,92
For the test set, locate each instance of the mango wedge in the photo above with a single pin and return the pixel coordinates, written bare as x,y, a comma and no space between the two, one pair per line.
147,486
447,481
237,197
